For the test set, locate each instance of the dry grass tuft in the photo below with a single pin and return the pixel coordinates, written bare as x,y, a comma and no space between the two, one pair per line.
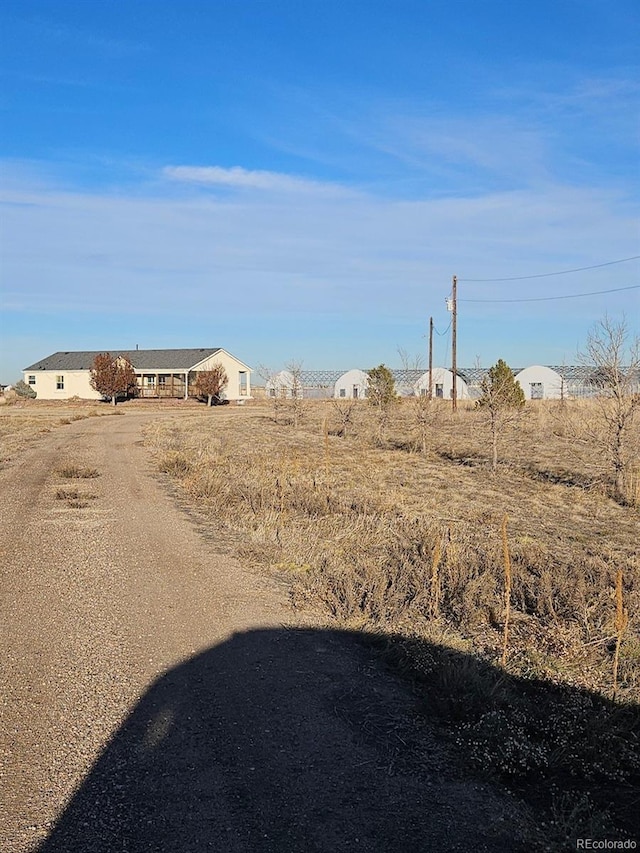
75,499
77,472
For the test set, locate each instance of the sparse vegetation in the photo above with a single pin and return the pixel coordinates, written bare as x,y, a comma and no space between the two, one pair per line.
77,472
23,390
23,420
74,497
413,545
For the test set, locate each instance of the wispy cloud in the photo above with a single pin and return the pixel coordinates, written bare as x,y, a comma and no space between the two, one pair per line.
240,178
303,262
491,152
51,30
290,251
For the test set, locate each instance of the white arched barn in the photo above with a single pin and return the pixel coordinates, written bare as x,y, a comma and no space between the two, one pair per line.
441,385
540,383
283,384
352,385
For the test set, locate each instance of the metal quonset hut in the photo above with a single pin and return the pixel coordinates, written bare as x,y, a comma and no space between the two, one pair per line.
442,385
283,384
540,383
352,385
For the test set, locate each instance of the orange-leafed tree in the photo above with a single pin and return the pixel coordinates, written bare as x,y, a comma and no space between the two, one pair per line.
113,376
211,383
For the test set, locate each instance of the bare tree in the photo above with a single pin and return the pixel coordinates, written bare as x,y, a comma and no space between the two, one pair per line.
211,383
295,395
345,411
423,411
614,356
274,391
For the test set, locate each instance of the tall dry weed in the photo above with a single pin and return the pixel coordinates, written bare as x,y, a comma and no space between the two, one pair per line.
620,624
507,589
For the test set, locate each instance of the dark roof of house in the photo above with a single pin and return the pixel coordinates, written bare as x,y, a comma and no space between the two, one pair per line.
156,359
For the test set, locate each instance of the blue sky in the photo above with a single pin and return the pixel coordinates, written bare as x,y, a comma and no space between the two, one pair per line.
301,180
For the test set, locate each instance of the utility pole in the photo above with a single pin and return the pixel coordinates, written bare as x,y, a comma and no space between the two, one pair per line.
454,343
430,358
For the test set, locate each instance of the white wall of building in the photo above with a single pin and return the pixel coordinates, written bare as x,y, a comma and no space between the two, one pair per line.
352,385
442,385
283,384
61,384
238,374
540,383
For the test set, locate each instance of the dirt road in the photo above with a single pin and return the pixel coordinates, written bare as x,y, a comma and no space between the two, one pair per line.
153,699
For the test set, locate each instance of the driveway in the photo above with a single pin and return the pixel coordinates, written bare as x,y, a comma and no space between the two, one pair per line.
157,695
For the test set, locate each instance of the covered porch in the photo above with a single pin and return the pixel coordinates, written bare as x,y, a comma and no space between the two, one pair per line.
172,385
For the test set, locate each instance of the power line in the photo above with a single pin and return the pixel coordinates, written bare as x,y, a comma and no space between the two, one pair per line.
548,274
550,298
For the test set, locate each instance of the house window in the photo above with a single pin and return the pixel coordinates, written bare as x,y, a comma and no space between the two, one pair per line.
162,381
32,380
537,390
343,392
59,383
439,390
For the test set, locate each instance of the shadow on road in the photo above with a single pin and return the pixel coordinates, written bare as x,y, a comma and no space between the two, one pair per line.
283,740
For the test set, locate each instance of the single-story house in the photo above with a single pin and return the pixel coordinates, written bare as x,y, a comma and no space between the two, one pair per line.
160,373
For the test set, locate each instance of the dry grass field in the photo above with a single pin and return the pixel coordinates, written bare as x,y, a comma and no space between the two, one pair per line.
397,527
401,530
22,421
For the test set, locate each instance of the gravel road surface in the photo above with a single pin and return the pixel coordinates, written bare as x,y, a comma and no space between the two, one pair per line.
159,696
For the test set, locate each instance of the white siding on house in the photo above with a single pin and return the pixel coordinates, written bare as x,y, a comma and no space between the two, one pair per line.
238,374
75,383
